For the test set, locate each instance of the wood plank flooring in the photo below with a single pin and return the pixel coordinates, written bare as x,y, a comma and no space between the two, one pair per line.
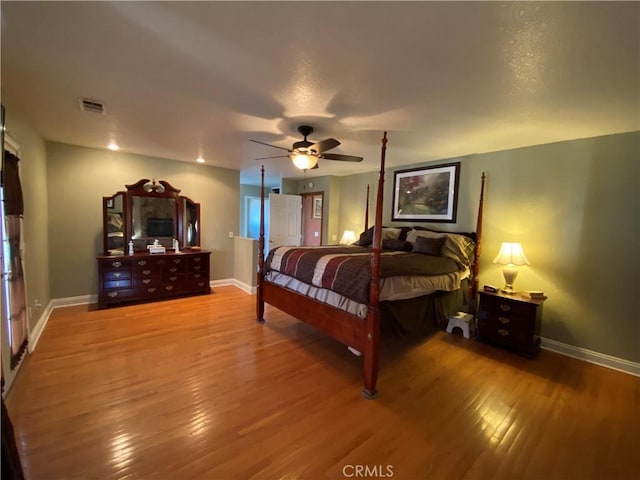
195,388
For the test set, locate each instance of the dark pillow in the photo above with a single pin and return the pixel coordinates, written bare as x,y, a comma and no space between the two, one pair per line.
366,238
399,245
403,232
429,246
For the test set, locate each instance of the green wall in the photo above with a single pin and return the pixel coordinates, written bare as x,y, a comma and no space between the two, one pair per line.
575,207
79,177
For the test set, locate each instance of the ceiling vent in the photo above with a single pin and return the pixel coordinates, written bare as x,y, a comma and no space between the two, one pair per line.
93,106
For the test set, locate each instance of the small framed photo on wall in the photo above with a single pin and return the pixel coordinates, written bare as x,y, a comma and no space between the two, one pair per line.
317,207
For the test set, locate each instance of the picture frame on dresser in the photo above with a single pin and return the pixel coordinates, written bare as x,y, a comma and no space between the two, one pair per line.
426,194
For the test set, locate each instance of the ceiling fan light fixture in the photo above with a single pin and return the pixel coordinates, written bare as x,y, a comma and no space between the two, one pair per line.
304,162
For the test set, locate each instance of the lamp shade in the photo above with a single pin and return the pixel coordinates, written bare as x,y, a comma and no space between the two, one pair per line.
348,237
511,254
304,162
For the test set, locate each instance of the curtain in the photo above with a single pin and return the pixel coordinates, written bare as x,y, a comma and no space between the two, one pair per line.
13,210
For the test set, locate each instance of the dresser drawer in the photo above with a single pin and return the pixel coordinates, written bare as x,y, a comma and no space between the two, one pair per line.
111,275
116,263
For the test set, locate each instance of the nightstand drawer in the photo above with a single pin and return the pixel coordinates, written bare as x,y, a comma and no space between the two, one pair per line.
506,307
499,332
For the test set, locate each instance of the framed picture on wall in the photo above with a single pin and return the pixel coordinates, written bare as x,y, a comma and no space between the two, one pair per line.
317,207
426,194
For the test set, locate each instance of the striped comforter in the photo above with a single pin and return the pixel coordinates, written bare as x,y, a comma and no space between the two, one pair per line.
347,270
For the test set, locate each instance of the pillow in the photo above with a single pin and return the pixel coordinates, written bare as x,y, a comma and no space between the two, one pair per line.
428,246
398,245
403,232
390,233
414,234
458,247
366,237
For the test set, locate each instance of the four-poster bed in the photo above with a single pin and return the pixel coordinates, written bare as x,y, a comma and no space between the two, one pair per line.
307,284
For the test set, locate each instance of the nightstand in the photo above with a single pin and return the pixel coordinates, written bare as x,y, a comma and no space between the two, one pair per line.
511,321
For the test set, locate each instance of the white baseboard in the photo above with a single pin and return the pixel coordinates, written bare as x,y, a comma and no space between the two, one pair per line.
236,283
34,335
590,356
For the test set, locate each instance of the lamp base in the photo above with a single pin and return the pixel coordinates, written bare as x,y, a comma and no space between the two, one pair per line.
510,273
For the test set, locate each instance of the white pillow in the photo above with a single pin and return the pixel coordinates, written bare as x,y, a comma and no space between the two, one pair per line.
390,234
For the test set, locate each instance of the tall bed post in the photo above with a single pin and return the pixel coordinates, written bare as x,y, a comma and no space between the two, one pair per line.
260,291
473,288
371,350
366,211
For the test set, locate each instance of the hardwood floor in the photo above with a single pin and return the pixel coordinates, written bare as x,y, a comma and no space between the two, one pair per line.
195,388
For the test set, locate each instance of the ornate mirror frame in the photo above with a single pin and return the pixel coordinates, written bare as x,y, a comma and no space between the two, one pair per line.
131,215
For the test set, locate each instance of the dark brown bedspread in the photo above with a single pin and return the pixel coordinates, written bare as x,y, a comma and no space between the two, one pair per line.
347,270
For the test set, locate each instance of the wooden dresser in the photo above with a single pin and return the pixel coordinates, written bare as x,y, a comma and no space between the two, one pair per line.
144,276
511,321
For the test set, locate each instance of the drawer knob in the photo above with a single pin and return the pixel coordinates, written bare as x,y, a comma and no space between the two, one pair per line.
146,281
173,269
505,307
146,272
197,259
173,279
142,262
168,288
117,264
151,290
504,320
503,332
113,294
177,260
117,274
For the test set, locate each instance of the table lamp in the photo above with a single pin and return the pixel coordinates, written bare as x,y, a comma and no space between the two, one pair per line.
348,237
511,255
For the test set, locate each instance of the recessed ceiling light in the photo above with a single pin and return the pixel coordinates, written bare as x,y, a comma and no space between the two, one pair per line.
113,146
200,159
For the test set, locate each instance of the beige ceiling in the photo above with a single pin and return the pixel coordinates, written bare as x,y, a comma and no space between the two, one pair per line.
180,79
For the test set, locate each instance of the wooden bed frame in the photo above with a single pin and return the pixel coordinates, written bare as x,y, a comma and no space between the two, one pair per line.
353,331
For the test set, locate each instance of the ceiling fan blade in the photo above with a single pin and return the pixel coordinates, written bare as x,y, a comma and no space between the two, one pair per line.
267,158
342,158
324,145
269,145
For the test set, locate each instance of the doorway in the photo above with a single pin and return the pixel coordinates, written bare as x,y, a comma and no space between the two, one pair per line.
312,215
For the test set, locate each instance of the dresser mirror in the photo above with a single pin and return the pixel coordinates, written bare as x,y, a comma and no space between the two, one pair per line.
149,211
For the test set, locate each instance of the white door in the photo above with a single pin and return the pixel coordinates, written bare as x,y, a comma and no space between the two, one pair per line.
285,220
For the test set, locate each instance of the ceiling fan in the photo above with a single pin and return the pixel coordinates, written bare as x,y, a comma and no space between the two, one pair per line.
305,154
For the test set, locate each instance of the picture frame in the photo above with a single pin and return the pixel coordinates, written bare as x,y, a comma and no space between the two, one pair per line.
110,203
317,207
426,194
